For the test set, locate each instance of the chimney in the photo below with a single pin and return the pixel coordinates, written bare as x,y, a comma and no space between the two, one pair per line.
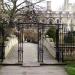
48,5
66,2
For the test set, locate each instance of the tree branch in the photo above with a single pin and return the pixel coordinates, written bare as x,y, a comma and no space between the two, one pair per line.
8,6
21,3
32,4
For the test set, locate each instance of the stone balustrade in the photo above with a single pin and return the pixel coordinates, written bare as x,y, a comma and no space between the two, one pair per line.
12,41
50,46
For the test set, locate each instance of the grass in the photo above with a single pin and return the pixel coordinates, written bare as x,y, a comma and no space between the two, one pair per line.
70,69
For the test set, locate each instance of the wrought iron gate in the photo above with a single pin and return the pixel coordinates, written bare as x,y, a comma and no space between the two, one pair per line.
20,43
3,37
65,41
39,41
59,51
40,28
2,51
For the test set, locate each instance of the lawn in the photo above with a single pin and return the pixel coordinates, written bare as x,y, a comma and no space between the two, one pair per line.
70,69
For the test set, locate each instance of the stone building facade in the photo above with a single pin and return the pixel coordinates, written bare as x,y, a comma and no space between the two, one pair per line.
66,15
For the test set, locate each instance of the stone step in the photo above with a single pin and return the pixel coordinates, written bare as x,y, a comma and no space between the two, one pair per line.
31,64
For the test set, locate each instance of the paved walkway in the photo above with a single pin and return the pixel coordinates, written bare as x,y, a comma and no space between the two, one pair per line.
47,58
43,70
12,57
30,56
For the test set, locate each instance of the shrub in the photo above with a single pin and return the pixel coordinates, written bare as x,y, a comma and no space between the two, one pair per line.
70,37
52,33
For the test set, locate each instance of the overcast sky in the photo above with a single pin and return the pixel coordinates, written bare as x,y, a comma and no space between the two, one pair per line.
54,3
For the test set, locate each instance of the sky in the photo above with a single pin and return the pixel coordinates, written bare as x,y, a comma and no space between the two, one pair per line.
55,4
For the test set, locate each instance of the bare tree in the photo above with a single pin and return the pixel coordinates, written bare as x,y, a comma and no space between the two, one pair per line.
11,7
1,9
